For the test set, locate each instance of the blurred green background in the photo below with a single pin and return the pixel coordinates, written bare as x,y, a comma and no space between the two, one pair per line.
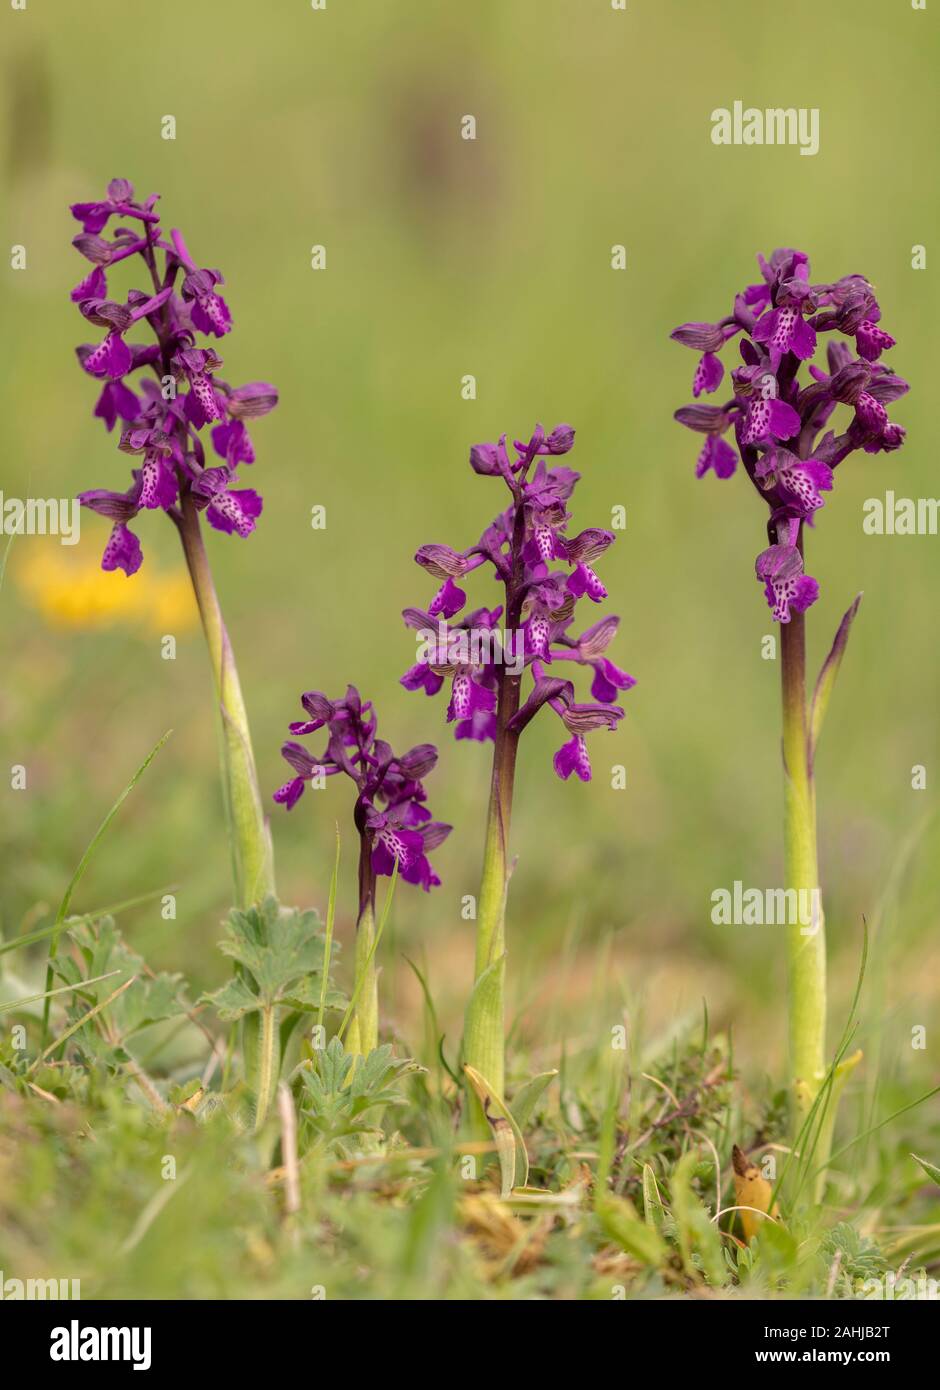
492,257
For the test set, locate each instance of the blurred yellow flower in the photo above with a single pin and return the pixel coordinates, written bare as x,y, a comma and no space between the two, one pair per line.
72,591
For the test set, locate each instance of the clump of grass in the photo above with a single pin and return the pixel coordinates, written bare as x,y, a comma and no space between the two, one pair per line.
130,1160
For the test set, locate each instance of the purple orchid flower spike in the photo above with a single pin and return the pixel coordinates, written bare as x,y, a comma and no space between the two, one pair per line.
179,392
780,426
522,545
500,666
161,388
777,422
391,795
390,814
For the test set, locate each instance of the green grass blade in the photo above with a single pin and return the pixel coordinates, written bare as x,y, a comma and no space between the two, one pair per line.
881,1124
931,1169
618,1219
13,1004
83,863
80,1023
607,1142
435,1034
40,934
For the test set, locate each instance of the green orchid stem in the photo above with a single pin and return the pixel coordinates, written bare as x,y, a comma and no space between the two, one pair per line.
251,845
806,943
364,1027
252,859
483,1044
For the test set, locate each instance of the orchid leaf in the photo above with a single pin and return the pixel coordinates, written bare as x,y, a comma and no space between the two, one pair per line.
653,1212
510,1145
484,999
827,678
524,1199
528,1095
